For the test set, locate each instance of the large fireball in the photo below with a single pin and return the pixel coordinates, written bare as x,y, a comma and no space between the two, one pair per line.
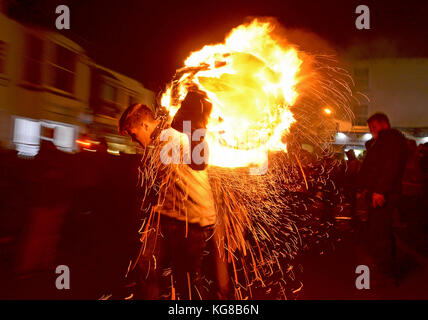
250,79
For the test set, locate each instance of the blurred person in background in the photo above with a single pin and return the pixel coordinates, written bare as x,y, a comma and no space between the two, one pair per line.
411,204
351,175
380,177
423,151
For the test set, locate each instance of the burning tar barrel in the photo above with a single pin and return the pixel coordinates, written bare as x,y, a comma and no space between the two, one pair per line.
195,110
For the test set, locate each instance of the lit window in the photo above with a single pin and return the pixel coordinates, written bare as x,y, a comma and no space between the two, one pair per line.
367,136
64,137
341,136
26,136
423,140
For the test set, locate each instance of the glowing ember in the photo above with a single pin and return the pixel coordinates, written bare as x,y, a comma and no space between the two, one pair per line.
250,79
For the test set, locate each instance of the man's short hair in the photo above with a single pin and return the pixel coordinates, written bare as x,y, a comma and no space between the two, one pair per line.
133,116
379,117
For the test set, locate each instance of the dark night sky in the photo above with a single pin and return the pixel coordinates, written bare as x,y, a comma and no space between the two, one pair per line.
149,40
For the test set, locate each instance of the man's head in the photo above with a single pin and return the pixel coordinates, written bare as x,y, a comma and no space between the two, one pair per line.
350,154
377,123
411,145
138,122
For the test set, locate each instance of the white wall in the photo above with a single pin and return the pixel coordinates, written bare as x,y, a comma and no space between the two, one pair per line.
399,88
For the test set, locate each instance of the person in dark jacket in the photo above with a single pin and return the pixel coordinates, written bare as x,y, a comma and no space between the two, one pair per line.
380,178
351,175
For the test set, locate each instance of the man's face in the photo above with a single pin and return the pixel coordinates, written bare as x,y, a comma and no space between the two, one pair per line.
377,126
140,134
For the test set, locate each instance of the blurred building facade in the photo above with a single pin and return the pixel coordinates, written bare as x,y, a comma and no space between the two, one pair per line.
51,89
395,86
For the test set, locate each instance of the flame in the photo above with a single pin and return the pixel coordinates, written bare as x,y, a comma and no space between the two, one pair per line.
250,79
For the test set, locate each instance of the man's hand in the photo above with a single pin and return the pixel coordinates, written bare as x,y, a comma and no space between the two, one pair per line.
378,200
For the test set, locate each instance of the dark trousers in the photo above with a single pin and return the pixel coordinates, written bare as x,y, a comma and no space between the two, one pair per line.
170,264
380,242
